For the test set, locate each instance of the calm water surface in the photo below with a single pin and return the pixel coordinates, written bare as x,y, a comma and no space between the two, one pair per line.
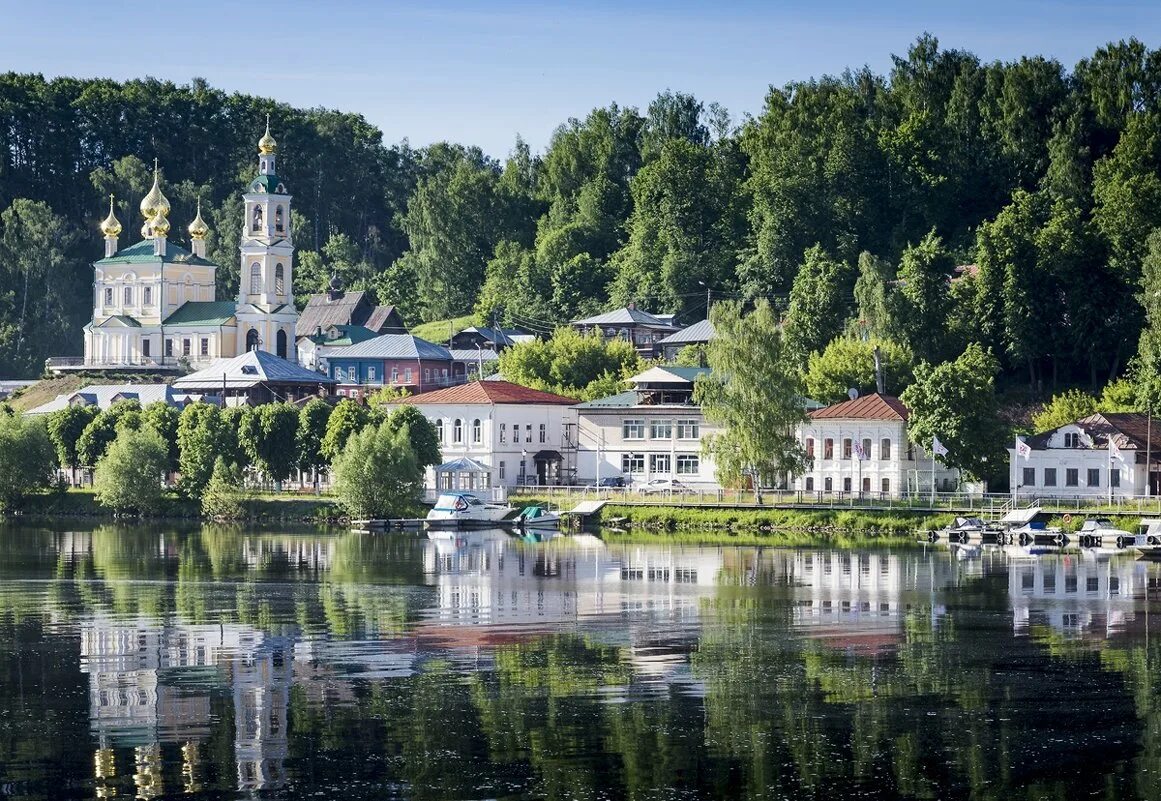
220,663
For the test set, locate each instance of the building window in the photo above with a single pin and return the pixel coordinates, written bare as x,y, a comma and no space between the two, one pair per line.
458,431
108,296
407,375
688,464
810,447
426,374
1050,476
371,374
633,429
528,433
145,348
688,429
1114,478
477,431
255,278
256,220
1072,439
515,432
169,348
394,375
867,484
204,346
846,448
885,449
127,298
147,296
1029,477
659,463
543,433
846,483
279,279
632,463
886,485
1094,477
501,471
827,484
279,223
185,347
866,448
352,376
503,433
810,483
827,448
660,429
1071,477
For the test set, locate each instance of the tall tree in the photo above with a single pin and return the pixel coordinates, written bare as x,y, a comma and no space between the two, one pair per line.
820,303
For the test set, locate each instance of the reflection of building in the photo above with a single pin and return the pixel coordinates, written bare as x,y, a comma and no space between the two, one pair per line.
1075,595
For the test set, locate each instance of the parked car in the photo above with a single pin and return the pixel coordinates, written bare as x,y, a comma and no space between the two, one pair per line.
612,481
660,485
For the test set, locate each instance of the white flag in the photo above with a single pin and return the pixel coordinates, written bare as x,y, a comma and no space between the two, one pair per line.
937,447
1023,449
860,454
1114,451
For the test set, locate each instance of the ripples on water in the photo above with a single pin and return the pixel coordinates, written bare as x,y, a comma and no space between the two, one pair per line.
219,663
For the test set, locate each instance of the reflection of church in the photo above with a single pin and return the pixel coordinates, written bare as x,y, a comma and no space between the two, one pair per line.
155,304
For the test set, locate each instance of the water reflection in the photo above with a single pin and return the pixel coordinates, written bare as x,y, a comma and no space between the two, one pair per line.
220,662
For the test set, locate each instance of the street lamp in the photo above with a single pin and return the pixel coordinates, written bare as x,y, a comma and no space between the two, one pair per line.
708,297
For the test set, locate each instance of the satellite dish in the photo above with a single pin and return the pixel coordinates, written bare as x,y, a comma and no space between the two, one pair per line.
852,393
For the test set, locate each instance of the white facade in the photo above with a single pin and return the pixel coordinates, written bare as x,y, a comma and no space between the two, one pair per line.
1074,460
653,431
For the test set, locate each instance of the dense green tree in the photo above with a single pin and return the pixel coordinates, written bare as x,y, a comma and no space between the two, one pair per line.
923,297
100,433
819,303
128,476
313,417
268,433
571,363
956,401
377,474
849,363
347,418
754,393
421,434
64,429
163,419
875,296
26,459
223,497
1064,408
202,438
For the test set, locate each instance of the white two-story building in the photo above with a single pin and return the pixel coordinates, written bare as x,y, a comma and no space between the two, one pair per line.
861,446
1075,459
653,430
499,434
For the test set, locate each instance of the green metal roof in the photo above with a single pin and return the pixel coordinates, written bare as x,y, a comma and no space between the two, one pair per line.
348,335
202,312
268,183
142,253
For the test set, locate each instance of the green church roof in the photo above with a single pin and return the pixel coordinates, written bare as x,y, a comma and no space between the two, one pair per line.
270,184
202,312
142,253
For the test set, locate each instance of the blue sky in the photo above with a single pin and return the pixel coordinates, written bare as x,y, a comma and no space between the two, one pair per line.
481,73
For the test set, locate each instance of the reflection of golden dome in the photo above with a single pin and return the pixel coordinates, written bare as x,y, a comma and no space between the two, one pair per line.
160,225
155,203
266,145
198,228
111,226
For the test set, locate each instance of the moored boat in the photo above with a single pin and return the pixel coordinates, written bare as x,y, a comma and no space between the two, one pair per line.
465,509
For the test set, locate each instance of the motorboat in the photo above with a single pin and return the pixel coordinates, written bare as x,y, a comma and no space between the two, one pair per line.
964,530
1148,539
465,509
1027,526
1098,532
537,517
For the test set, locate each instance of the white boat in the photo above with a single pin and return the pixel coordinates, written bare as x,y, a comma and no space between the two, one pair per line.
537,517
1026,527
1097,533
963,530
1148,539
463,508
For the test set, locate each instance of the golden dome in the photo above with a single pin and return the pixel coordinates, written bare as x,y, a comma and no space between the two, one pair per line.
155,203
160,225
111,226
198,228
267,145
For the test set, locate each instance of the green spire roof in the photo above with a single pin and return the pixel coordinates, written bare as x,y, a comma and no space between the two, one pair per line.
142,253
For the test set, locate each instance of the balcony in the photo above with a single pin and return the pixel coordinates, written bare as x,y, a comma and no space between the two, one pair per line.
77,364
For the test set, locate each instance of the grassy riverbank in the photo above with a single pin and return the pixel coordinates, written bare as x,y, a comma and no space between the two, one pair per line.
259,508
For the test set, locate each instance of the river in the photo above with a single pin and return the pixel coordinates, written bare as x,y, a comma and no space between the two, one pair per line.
224,663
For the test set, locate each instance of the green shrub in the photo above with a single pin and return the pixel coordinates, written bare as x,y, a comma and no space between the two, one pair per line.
128,477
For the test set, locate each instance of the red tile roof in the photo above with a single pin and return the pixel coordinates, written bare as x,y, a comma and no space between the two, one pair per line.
489,392
868,407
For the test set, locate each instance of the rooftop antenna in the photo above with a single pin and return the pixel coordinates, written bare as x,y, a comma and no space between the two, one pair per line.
880,384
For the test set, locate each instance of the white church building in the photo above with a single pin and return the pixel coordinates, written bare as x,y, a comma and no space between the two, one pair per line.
155,304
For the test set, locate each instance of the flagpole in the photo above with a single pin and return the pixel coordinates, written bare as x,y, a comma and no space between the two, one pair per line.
1015,489
933,474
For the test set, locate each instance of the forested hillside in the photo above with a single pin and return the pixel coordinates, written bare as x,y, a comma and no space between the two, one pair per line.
849,201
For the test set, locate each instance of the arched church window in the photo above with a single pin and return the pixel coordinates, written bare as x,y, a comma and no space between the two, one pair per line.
280,344
279,280
257,224
278,223
252,339
255,278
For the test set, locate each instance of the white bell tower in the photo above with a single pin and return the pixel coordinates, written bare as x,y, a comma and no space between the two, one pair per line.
266,313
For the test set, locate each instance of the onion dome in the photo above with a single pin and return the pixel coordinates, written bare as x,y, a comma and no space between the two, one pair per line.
267,145
155,204
160,225
111,226
198,228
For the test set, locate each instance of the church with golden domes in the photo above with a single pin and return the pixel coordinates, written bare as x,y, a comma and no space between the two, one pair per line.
155,304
